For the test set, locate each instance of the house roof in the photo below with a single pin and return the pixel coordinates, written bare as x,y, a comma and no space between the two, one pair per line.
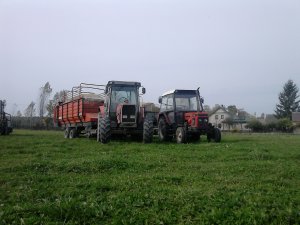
218,108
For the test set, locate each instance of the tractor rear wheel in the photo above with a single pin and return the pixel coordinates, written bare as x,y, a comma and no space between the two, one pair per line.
180,135
148,131
98,127
162,130
105,133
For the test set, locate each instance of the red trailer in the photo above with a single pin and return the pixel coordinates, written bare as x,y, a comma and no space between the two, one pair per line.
78,111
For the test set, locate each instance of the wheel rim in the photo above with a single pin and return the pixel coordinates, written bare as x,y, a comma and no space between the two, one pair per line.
179,136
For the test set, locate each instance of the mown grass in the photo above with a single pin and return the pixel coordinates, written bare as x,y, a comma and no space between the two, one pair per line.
245,179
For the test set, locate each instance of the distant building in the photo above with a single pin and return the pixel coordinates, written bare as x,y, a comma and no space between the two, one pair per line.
149,106
296,122
267,119
222,119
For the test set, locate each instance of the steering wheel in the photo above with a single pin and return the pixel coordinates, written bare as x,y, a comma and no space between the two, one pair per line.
123,99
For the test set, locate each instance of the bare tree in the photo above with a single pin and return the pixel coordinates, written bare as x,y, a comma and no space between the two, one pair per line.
207,108
232,109
30,112
19,114
45,93
58,97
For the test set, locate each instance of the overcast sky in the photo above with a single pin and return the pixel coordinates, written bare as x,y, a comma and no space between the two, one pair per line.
239,52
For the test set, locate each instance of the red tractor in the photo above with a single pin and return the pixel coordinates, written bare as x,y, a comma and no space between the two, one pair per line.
105,110
181,115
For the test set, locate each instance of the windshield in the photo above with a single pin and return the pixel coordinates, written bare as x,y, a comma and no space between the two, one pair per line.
123,94
186,102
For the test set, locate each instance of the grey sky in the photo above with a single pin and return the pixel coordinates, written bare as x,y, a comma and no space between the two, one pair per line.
238,52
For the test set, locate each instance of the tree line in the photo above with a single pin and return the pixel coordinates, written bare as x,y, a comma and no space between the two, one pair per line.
39,115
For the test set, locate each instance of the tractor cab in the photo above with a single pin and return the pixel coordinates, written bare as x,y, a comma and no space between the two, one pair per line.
122,103
182,115
122,113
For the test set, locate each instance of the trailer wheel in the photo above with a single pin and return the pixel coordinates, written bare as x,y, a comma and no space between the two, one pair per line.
67,133
180,135
162,130
89,135
217,135
73,133
105,130
148,131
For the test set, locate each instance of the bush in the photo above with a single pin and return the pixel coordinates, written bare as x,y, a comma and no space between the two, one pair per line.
255,125
285,125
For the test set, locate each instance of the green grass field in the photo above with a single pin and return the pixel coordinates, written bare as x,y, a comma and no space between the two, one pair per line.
245,179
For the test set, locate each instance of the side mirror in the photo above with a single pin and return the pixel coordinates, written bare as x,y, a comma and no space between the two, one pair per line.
143,90
160,100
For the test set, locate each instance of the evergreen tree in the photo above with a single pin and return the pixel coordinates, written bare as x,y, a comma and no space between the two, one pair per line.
288,102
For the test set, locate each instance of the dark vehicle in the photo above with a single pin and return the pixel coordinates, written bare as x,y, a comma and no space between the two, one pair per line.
181,115
5,120
105,110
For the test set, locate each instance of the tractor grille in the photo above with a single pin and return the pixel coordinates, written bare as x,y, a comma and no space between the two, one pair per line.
128,114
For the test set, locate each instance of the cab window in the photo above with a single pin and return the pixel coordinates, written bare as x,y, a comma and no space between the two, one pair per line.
167,103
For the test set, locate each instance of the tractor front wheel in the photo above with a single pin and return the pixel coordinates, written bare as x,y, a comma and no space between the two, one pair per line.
214,135
217,135
180,135
104,131
148,131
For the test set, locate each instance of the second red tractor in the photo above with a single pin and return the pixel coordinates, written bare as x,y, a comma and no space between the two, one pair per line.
182,115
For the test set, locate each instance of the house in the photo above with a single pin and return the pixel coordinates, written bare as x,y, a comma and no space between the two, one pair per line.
224,120
267,119
296,122
218,116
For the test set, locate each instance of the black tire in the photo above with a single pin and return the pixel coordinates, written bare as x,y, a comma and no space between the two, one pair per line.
217,135
148,131
162,130
3,128
105,130
180,135
98,127
67,133
73,133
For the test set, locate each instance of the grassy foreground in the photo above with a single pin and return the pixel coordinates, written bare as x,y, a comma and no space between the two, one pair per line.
245,179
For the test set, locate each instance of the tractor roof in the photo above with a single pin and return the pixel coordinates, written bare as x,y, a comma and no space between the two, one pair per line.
125,83
179,90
